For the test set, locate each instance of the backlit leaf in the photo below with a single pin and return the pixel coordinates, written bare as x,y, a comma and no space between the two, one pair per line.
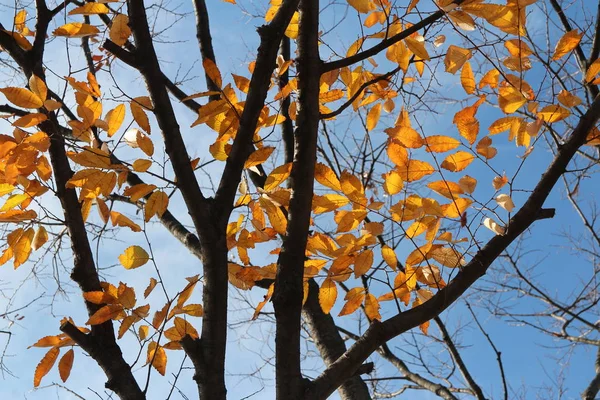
119,29
66,362
134,257
567,43
22,97
458,161
327,295
45,365
76,30
372,307
158,357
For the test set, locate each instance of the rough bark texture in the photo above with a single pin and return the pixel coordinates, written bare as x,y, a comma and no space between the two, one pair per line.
329,343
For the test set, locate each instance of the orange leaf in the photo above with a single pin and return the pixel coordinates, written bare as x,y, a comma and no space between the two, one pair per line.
119,29
157,204
158,357
458,161
326,177
372,307
363,263
22,97
373,116
66,362
211,70
354,298
114,118
108,312
467,79
567,43
327,295
45,365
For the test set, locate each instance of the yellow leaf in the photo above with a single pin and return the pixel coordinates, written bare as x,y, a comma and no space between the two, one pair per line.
40,237
6,188
38,87
362,6
108,312
90,9
114,118
211,70
14,201
141,165
17,215
567,43
134,257
406,135
20,40
455,58
139,115
392,182
447,256
275,215
553,113
363,263
22,97
415,170
568,99
389,256
143,332
372,307
458,161
456,208
490,79
158,357
326,177
118,219
138,191
440,143
463,20
29,120
45,365
397,153
467,79
119,29
327,295
592,71
76,30
373,116
417,47
510,99
19,20
447,189
157,204
354,298
259,156
467,184
20,243
195,310
277,176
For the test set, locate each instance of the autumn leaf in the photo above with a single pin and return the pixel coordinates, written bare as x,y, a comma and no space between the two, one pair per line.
134,257
327,295
45,365
22,97
458,161
211,70
372,307
114,118
108,312
455,58
76,30
566,44
373,116
354,298
157,357
66,362
119,29
326,177
157,204
90,9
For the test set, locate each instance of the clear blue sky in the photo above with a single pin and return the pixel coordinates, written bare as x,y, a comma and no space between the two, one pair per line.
528,356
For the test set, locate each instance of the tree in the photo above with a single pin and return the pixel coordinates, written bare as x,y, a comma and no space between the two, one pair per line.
326,177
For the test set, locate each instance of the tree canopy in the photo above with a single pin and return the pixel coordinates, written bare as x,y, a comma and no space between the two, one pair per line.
319,184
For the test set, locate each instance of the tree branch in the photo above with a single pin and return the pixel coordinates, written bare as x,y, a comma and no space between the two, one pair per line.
378,333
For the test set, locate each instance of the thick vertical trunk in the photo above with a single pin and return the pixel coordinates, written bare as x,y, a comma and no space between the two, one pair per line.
287,299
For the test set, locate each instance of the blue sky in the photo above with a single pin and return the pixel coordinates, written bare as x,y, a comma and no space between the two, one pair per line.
527,355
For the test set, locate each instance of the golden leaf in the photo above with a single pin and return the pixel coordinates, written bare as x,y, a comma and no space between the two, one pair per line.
327,295
134,257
